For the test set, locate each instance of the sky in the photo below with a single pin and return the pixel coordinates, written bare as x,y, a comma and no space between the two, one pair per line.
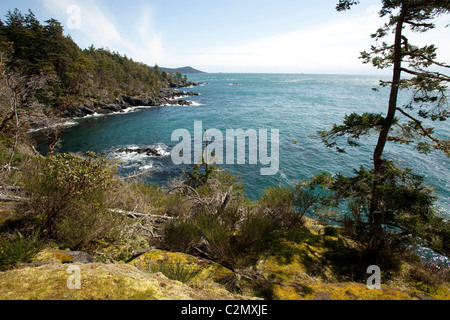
282,36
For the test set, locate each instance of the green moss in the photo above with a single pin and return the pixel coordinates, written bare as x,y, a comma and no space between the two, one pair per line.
53,256
207,274
99,282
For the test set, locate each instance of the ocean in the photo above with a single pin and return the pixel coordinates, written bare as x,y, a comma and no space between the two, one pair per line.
297,105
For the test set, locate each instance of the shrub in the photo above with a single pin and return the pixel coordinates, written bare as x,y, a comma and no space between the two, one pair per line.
180,235
429,277
331,231
67,197
18,250
89,222
232,238
278,203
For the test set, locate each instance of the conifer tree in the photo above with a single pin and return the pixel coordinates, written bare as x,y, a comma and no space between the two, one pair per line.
389,205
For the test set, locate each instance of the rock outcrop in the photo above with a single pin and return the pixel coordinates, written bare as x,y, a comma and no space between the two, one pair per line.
148,151
167,96
100,282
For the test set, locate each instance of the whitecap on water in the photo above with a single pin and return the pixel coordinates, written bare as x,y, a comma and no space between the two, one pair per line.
69,123
195,104
162,149
146,167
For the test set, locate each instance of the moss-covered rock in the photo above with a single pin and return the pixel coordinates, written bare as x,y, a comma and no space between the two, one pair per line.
336,291
99,282
60,256
208,274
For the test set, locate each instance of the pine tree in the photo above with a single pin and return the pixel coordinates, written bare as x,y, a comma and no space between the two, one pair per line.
389,204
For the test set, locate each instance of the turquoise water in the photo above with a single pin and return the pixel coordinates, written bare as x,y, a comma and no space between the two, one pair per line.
297,105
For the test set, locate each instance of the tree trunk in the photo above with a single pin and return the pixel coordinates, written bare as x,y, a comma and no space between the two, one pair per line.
378,160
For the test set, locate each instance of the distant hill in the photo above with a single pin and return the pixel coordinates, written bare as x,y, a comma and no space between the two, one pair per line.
181,70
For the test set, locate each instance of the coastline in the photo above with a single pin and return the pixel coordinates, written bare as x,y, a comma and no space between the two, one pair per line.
169,96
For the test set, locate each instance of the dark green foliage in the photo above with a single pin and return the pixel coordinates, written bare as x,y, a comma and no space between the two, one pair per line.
354,127
181,235
199,174
233,239
345,4
331,231
17,250
405,212
67,198
116,75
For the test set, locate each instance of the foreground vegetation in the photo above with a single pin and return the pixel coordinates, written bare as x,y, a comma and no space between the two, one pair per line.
209,239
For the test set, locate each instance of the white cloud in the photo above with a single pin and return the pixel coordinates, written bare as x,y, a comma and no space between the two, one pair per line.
150,48
329,47
99,28
93,22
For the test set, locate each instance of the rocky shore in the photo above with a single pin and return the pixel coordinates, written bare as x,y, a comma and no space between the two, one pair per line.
167,96
171,95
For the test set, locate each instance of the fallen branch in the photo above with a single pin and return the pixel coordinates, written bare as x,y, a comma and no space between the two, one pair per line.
136,214
11,188
139,174
9,168
151,232
5,197
207,256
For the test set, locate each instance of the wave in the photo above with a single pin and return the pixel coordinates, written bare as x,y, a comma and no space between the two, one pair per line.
130,156
195,104
69,123
130,161
179,97
162,148
146,167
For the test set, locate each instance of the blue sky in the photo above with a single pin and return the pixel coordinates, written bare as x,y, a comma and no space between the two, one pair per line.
224,36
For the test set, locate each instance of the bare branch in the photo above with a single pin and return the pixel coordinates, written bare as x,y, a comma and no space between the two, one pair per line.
135,214
191,189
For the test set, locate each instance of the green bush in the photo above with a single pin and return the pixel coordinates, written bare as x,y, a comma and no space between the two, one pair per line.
88,222
232,238
331,231
278,203
67,198
180,235
18,250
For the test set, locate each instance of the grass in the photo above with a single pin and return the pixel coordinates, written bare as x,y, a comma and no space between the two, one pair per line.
176,271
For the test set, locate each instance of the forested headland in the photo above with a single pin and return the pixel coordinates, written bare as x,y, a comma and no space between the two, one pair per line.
50,74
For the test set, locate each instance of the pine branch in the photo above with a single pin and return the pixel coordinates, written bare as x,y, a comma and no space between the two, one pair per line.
439,143
434,75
